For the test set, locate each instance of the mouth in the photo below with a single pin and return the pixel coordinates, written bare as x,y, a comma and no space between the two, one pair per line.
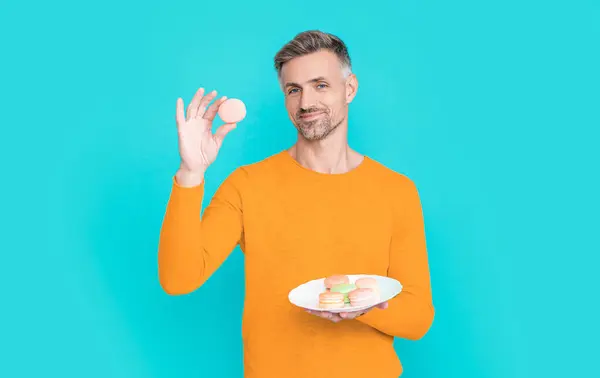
310,116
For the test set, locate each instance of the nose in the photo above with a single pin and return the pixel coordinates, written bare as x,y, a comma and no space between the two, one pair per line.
307,100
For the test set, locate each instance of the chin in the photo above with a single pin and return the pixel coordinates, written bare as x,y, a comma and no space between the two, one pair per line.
314,138
314,135
316,131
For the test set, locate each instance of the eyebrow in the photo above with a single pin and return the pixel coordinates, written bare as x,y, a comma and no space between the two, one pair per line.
292,84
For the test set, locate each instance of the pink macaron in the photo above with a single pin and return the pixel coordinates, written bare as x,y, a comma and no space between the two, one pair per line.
329,299
362,297
232,110
335,279
367,283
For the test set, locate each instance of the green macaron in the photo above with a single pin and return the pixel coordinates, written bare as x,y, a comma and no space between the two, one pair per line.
344,289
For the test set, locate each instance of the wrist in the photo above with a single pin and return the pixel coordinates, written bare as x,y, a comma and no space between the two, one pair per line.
189,178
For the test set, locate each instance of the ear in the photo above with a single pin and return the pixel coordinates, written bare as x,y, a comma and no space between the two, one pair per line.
351,88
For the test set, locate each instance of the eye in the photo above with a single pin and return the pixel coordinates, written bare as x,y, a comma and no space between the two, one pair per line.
292,90
322,85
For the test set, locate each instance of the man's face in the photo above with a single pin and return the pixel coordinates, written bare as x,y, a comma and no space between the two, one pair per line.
316,93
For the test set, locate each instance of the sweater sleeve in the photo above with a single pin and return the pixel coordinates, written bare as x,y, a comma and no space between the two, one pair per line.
192,246
410,314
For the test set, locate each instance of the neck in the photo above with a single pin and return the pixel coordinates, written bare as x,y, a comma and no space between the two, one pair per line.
330,155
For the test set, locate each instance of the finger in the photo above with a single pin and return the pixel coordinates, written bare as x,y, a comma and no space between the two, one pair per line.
204,103
331,316
179,115
223,130
212,110
355,314
350,315
325,315
192,108
336,318
314,312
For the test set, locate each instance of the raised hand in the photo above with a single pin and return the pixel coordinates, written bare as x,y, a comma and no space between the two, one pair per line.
198,146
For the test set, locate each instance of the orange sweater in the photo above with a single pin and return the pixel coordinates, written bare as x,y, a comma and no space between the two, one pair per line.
294,225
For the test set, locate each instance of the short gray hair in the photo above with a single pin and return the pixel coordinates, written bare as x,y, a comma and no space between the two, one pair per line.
312,41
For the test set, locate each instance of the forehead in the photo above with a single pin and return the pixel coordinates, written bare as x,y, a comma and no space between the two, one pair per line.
323,63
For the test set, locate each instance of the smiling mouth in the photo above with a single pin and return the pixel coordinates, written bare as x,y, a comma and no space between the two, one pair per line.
311,115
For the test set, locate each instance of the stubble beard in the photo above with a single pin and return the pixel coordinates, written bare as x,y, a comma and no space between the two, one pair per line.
317,129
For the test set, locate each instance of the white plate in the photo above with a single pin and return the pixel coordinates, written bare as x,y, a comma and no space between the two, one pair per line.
307,294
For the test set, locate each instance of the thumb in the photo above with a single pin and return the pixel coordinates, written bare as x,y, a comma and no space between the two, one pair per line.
223,130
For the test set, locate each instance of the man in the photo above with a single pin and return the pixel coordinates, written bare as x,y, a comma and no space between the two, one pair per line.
316,209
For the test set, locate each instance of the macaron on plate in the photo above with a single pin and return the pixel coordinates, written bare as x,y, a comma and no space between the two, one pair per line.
345,293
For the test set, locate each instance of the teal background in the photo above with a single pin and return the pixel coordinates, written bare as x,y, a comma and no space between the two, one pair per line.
490,107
